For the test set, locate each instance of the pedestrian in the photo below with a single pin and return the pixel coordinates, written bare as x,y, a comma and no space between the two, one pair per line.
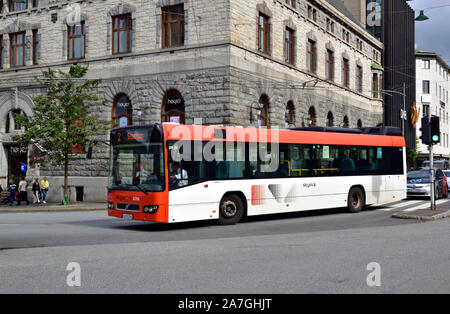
12,189
44,188
36,192
23,192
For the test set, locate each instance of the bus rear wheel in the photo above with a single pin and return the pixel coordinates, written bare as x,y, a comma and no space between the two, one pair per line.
356,200
231,210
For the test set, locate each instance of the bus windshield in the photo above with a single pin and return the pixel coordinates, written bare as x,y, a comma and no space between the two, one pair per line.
136,165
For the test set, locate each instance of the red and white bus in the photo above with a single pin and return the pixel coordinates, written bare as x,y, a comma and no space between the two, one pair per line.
165,173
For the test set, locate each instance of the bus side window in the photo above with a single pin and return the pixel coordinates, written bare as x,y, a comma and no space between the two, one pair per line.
348,163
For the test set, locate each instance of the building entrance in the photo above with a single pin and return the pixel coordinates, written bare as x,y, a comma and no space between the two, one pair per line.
16,156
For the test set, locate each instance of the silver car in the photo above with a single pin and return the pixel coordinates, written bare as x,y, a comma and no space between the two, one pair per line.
419,183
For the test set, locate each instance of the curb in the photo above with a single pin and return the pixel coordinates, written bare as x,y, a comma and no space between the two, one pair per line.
53,209
424,214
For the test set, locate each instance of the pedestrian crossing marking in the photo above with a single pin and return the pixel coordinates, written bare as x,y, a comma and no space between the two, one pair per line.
412,205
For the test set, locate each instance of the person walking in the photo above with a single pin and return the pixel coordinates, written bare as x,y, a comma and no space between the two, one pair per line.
36,192
44,189
12,189
23,192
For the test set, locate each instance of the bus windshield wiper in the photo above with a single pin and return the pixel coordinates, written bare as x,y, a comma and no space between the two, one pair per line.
142,189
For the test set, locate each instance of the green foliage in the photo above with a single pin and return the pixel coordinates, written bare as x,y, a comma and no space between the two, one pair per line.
63,117
412,154
15,179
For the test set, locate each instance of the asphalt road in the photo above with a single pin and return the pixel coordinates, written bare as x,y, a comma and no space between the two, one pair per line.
313,252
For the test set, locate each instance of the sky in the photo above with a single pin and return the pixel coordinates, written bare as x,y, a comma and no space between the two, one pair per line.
433,34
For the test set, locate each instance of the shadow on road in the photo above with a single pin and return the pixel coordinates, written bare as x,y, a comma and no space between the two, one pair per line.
114,223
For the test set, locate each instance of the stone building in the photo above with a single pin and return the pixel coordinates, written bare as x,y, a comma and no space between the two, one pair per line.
275,63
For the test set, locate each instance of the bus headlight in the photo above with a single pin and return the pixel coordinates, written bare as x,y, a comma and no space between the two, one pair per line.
110,205
150,209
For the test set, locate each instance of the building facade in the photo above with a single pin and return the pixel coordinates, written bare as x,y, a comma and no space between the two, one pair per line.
432,90
267,63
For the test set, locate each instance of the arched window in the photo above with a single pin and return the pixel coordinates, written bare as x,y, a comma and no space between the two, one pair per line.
122,115
330,120
289,115
11,123
359,124
346,123
172,109
312,116
263,111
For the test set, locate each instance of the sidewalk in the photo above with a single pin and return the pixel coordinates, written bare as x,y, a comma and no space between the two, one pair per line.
425,214
52,207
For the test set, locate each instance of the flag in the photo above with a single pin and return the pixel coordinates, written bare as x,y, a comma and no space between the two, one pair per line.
415,115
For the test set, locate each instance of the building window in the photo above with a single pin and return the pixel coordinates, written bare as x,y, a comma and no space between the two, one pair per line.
329,66
330,120
264,34
345,36
173,107
289,115
426,64
359,79
359,124
76,41
122,40
311,56
375,87
173,26
35,46
17,49
425,87
11,123
359,44
18,5
291,3
345,72
289,46
312,116
122,114
263,112
330,25
346,123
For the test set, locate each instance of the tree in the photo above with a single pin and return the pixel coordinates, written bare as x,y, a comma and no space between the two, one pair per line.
412,154
63,120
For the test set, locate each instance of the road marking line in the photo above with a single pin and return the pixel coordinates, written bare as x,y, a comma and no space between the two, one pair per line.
406,203
425,205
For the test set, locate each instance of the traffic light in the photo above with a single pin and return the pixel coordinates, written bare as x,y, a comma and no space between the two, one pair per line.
435,130
426,132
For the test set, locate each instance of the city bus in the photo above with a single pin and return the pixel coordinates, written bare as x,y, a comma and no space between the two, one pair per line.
171,173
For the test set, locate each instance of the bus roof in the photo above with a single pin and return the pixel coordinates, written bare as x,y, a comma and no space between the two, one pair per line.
177,132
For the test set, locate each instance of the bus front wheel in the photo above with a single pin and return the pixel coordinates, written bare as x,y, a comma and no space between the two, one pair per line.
356,200
231,210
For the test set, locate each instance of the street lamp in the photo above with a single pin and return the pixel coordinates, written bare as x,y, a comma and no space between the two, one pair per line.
422,17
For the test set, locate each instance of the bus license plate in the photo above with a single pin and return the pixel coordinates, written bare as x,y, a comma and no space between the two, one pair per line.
127,216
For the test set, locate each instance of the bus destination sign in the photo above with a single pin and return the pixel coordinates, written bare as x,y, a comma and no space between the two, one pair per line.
129,136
